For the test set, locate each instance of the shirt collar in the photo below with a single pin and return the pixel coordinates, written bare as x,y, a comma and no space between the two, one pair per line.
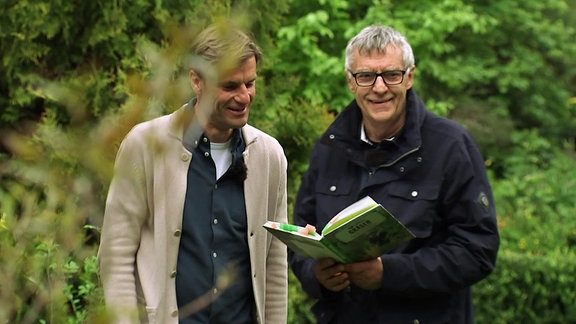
364,138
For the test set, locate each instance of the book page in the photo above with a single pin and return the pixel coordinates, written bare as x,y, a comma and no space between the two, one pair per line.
348,213
304,245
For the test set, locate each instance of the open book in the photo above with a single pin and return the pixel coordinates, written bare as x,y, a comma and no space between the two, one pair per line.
362,231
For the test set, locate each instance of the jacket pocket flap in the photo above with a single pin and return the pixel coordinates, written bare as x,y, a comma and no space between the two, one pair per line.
415,191
333,187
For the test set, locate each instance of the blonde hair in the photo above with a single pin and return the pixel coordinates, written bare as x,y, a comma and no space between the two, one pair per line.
224,43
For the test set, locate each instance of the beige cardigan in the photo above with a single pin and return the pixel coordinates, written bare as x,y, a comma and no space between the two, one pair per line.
142,222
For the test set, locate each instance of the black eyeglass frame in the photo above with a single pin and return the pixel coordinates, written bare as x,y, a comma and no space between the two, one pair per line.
376,75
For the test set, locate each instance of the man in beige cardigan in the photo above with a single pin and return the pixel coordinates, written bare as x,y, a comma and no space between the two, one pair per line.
182,238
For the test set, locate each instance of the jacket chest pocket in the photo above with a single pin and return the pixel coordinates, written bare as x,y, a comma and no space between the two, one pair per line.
332,195
415,205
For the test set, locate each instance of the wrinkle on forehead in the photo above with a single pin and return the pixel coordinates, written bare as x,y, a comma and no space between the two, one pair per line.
382,49
378,59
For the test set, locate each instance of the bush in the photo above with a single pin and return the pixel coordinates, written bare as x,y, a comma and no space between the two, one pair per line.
299,303
527,288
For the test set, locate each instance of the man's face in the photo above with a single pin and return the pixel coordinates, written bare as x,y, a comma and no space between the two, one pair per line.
232,98
382,105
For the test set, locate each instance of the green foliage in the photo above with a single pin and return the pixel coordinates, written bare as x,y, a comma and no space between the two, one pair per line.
41,282
310,45
90,37
296,125
314,65
95,44
533,281
298,303
535,198
528,289
47,197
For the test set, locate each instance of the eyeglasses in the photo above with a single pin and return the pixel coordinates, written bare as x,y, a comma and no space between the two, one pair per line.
367,79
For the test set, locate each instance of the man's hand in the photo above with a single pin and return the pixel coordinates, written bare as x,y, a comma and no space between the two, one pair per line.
365,274
331,274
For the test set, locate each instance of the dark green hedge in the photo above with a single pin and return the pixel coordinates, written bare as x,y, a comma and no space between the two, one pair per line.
528,288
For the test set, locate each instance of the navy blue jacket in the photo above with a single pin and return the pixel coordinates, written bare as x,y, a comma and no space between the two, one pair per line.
432,177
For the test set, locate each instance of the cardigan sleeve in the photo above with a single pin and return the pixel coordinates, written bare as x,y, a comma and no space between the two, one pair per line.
125,212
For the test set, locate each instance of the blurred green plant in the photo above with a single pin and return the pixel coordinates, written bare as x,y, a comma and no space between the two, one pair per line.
299,303
54,183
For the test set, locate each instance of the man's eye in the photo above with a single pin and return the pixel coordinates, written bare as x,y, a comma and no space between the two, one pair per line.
365,75
393,74
229,86
234,86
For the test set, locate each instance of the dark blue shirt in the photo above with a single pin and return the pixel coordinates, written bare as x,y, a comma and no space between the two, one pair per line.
213,283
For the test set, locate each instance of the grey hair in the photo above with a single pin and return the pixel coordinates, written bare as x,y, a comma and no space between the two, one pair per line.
378,37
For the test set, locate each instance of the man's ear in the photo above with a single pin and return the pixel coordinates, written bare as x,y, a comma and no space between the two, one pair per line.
195,81
410,77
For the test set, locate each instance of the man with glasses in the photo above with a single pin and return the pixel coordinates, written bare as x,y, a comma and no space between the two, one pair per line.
425,169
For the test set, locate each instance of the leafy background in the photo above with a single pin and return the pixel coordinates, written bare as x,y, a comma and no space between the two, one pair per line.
76,76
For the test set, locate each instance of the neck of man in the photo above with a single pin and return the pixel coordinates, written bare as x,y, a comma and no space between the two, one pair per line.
216,135
381,133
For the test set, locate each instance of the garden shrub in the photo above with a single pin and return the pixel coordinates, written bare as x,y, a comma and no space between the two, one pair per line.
527,288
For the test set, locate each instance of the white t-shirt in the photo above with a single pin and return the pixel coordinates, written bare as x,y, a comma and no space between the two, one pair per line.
221,156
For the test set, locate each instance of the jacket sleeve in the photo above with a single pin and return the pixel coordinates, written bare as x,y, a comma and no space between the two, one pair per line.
462,249
125,212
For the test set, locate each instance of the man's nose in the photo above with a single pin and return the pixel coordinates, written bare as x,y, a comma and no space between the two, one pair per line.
379,83
244,95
